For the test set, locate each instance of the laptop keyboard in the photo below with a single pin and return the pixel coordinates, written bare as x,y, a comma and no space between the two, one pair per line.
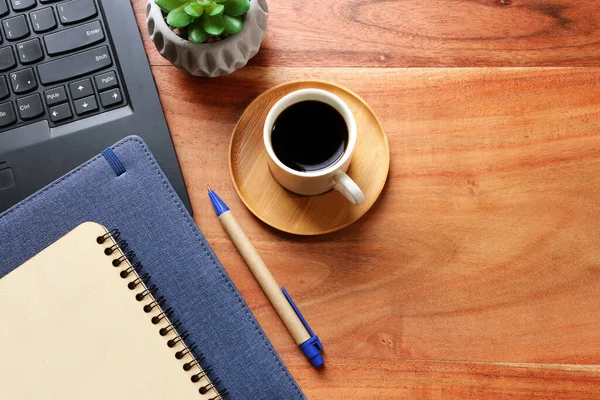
56,63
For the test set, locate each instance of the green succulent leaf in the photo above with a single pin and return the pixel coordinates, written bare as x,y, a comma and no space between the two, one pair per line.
235,8
213,25
194,10
219,1
178,18
197,34
232,24
215,9
202,3
169,5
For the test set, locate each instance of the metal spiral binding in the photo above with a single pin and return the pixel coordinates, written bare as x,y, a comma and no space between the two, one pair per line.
170,327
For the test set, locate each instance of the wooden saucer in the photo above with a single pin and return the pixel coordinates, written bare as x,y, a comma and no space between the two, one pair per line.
304,215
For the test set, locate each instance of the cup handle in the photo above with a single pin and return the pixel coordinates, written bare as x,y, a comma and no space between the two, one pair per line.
346,186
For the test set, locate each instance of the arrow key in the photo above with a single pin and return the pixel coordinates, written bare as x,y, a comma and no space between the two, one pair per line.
85,105
81,89
60,112
111,97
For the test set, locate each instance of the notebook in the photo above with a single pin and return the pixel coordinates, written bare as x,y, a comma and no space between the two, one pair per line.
124,188
80,324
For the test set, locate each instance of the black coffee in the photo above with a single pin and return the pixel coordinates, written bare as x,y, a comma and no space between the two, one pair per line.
309,136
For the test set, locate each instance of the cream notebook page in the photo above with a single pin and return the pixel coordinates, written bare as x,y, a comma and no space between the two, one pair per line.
70,328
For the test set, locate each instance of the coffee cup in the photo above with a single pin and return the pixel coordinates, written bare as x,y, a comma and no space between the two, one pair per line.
310,136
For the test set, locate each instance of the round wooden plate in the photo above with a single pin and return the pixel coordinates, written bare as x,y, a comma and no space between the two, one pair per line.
306,215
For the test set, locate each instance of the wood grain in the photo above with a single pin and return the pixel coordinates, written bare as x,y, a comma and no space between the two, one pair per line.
306,215
476,274
483,249
354,378
412,33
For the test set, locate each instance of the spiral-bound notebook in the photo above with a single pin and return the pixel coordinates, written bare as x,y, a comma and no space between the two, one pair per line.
124,188
79,322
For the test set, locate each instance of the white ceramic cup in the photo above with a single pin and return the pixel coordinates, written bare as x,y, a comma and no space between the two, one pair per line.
313,183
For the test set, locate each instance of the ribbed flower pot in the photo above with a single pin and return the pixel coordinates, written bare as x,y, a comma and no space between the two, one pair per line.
209,59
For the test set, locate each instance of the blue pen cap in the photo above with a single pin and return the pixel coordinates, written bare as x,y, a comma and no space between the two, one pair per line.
312,350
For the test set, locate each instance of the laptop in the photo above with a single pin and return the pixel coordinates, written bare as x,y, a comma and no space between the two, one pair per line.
74,79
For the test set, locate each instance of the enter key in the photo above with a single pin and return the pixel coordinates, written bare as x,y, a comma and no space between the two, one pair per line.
74,38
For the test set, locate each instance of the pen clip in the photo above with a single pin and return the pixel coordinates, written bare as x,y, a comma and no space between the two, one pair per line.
297,311
312,347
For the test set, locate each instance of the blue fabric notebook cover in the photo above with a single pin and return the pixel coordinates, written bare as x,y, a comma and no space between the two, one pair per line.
141,203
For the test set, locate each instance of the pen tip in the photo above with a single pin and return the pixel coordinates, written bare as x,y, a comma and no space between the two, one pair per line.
209,189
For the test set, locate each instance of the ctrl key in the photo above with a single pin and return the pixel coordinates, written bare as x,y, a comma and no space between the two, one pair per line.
30,107
7,115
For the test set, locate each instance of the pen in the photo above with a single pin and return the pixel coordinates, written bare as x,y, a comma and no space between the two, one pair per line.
280,299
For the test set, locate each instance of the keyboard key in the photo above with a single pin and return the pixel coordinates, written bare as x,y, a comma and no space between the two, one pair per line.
55,96
4,92
23,81
42,20
60,112
81,89
76,11
75,65
48,1
30,107
111,98
30,51
7,59
15,28
74,38
3,8
106,81
20,5
85,105
7,114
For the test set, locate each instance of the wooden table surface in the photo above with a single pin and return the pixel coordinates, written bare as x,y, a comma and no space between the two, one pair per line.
477,272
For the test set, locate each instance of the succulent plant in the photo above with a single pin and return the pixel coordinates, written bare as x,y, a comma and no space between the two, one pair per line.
205,18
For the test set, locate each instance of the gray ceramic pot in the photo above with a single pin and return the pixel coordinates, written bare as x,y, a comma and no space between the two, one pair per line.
209,59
